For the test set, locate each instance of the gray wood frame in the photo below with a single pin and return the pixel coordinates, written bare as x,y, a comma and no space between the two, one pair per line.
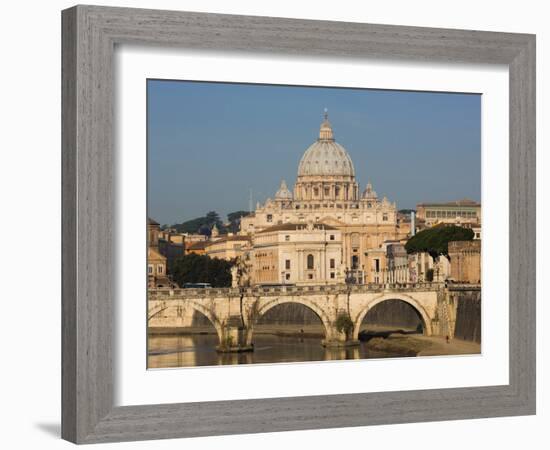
89,36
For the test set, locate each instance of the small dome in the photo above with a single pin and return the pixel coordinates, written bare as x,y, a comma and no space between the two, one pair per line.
369,192
325,156
283,193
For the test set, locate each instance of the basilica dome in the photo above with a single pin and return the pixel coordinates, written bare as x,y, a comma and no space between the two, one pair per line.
325,156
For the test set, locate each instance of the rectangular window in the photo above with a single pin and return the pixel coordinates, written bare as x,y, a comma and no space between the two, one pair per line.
287,238
332,263
270,218
377,265
332,237
287,276
332,275
385,217
150,269
159,269
287,264
310,276
327,191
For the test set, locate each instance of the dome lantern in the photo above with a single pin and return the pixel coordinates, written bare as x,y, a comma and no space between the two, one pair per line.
325,132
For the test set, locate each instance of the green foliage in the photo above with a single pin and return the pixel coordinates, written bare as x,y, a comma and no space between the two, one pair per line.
436,240
228,342
236,215
344,324
203,225
406,211
194,268
234,219
429,275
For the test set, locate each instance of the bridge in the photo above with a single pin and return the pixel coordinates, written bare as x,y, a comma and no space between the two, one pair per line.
235,312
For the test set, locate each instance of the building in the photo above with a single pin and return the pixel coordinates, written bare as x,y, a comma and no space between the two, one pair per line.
298,253
465,261
227,246
156,262
191,239
397,262
197,248
326,192
156,269
171,244
465,213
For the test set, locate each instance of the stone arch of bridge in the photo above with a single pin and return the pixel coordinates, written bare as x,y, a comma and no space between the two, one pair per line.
213,319
263,309
401,297
151,314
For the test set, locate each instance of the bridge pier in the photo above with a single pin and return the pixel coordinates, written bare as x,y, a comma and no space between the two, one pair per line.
341,344
235,337
340,340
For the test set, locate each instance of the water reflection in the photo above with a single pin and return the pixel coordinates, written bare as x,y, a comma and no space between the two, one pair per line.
200,350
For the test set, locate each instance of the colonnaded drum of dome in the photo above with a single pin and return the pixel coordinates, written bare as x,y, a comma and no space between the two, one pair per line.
323,269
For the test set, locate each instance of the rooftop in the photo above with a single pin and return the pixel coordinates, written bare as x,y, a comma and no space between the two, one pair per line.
462,202
297,226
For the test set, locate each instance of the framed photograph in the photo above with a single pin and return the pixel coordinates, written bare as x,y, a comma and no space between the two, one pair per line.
278,224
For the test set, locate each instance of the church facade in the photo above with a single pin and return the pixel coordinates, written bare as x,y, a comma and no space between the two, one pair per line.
288,233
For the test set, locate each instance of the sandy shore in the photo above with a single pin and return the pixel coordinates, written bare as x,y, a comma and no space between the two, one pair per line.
419,345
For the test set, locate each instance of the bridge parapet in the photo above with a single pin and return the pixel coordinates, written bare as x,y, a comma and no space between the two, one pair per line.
256,291
463,287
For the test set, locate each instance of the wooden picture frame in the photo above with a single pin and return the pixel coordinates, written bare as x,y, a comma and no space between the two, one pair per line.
90,34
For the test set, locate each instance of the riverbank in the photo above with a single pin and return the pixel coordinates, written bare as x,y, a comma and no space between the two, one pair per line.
397,342
419,345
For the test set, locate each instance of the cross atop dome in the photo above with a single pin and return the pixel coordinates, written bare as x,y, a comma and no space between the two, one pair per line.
325,133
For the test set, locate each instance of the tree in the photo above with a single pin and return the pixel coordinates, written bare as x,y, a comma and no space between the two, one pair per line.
436,240
200,225
195,268
213,218
406,211
344,324
234,219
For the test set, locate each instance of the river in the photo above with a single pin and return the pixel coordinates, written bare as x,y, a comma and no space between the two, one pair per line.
200,350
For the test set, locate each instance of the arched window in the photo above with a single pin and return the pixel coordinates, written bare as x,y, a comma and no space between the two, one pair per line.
310,261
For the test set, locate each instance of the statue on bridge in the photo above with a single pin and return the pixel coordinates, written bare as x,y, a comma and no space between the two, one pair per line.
241,271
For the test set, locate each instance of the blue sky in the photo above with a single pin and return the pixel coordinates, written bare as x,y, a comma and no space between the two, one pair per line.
210,143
